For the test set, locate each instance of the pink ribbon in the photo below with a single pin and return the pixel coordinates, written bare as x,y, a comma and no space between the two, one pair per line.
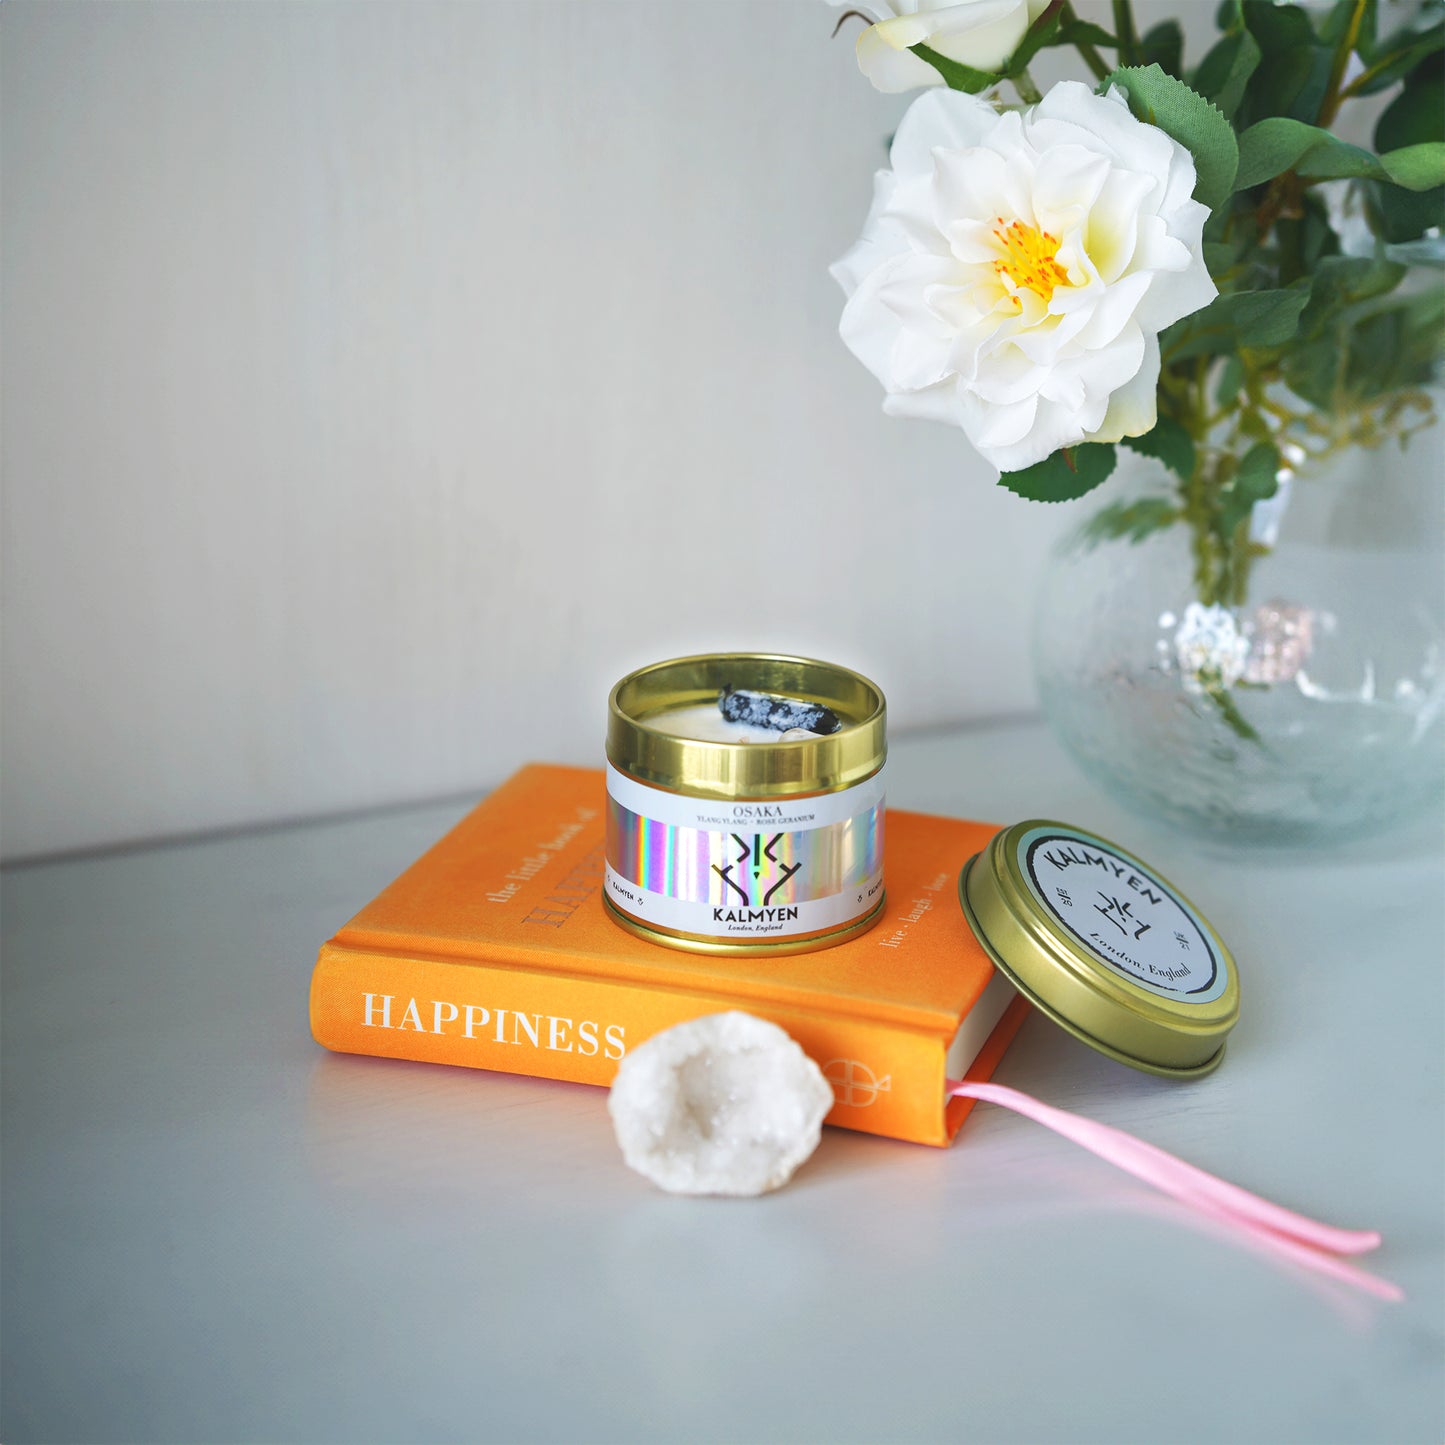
1304,1240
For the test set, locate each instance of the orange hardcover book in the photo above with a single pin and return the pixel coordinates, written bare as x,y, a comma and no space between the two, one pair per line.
493,951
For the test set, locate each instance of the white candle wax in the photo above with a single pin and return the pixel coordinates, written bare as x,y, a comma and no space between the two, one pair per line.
705,723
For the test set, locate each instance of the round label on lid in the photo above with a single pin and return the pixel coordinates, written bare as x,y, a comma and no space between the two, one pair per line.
1127,917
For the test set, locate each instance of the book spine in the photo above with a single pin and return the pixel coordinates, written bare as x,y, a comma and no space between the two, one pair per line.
887,1079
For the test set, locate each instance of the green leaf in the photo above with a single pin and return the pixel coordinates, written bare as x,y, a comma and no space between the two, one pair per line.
1168,443
1417,114
1278,28
956,76
1280,144
1332,160
1063,476
1223,73
1372,350
1404,216
1304,240
1256,481
1191,120
1344,281
1320,239
1418,167
1132,520
1163,45
1229,16
1366,40
1241,318
1257,477
1276,145
1231,380
1219,256
1311,371
1264,318
1270,148
1275,88
1396,347
1296,68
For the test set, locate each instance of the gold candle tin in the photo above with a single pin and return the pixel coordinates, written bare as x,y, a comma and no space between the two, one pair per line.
736,847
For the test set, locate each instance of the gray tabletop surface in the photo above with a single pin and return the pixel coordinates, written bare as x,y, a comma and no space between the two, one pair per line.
215,1231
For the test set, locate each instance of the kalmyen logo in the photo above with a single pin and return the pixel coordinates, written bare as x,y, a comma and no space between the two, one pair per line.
749,866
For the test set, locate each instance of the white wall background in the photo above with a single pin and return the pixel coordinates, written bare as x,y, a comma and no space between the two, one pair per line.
383,381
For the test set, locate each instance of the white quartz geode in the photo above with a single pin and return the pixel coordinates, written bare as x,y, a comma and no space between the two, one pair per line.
725,1104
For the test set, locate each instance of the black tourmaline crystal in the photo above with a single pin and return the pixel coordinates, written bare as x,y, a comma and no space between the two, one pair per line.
763,710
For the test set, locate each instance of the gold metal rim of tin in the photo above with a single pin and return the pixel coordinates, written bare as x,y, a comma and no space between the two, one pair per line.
738,948
639,744
1065,981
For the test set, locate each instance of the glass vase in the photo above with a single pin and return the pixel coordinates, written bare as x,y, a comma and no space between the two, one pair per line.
1304,707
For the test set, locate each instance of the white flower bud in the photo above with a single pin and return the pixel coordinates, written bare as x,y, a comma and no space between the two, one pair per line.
979,33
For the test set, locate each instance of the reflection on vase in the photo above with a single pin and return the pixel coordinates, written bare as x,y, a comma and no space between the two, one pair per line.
1308,712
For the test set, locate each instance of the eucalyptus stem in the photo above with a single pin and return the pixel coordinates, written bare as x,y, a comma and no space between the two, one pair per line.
1029,93
1361,81
1334,96
1229,711
1087,52
1124,29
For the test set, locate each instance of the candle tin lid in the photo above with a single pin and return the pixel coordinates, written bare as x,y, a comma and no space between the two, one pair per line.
1104,945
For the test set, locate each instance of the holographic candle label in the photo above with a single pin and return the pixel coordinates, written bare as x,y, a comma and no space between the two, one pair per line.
769,869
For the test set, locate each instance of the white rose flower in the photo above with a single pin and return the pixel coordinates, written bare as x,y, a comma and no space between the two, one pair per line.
1016,269
980,33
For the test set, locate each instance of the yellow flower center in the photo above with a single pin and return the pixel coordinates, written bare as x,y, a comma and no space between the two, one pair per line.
1028,258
